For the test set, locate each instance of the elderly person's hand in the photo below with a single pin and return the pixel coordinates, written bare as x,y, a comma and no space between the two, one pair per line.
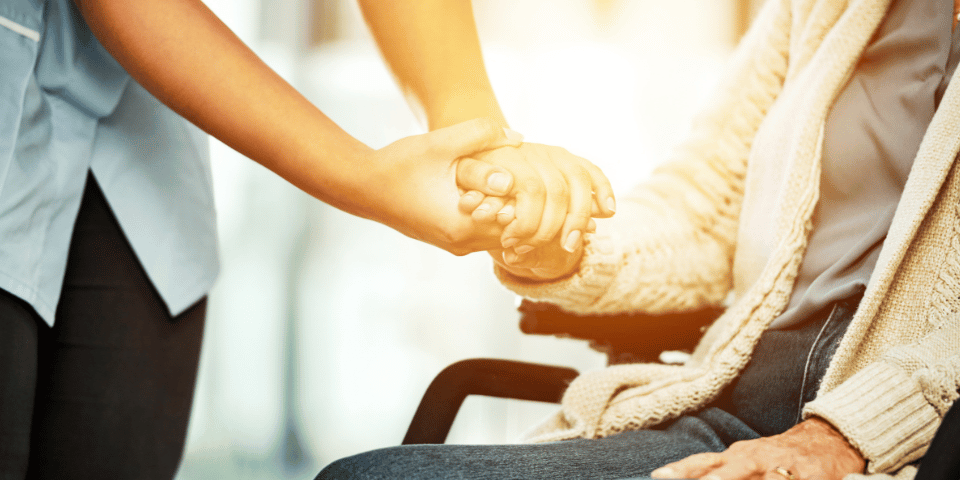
554,193
812,449
549,262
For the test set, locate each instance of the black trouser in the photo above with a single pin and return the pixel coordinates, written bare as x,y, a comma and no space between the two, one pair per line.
106,392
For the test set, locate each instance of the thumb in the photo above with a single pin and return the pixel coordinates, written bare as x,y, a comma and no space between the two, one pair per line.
472,136
485,177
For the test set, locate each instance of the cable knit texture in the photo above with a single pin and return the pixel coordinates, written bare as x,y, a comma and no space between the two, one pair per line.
673,246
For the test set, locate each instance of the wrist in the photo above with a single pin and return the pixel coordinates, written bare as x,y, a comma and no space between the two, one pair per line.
837,442
447,110
350,183
558,266
401,187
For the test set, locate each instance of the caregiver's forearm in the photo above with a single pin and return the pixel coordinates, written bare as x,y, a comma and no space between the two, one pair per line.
433,48
186,57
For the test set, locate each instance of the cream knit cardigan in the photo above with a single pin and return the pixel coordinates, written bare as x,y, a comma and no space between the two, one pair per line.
673,246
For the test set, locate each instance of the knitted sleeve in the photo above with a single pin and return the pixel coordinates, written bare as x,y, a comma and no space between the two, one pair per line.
670,246
891,409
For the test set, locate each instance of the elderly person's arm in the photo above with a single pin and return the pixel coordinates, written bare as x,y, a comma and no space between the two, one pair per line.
877,421
812,449
670,247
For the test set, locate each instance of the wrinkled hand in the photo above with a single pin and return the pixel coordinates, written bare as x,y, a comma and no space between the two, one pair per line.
415,185
555,193
810,450
545,263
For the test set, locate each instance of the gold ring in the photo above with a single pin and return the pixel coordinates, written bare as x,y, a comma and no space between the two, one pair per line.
785,473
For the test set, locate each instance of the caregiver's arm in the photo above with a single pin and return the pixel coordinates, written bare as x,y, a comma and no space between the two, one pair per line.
434,51
186,57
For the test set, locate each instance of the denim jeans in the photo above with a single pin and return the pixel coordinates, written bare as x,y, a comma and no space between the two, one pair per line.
783,374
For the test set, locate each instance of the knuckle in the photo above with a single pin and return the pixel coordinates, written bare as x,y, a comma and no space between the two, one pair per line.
493,205
555,150
486,128
594,173
713,458
738,446
541,238
468,167
525,229
472,196
455,238
751,465
480,215
532,186
557,186
581,174
591,167
578,218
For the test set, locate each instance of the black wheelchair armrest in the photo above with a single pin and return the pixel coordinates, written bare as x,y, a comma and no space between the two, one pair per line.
482,376
625,338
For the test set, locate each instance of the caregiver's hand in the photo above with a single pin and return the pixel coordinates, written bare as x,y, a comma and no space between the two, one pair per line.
556,193
812,449
414,185
189,60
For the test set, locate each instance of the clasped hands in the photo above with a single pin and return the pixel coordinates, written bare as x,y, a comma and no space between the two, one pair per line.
475,186
544,221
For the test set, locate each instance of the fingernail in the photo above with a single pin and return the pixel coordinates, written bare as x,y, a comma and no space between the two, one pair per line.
506,211
509,256
611,204
513,136
572,240
510,242
662,472
592,226
482,209
522,249
498,181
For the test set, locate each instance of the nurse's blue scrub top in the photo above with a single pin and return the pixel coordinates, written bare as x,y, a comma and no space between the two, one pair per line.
66,108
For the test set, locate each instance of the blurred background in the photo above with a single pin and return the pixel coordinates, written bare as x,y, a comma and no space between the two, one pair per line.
324,330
